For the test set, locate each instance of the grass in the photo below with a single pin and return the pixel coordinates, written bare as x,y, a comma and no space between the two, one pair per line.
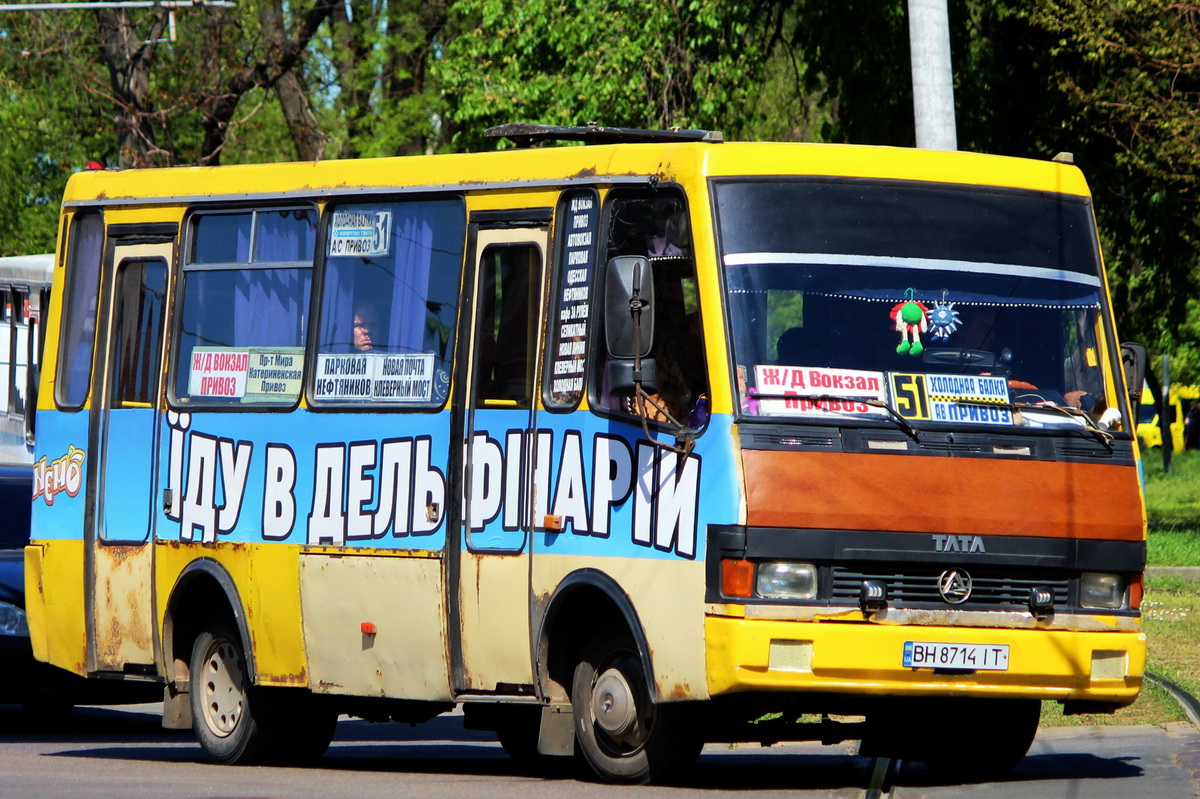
1171,619
1171,605
1173,508
1171,496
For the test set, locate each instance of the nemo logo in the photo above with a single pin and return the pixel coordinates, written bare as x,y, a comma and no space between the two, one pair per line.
62,474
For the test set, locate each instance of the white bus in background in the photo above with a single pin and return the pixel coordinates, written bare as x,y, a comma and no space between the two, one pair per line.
24,292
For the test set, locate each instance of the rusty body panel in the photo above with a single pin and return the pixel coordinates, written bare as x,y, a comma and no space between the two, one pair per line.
123,616
266,582
992,497
343,598
494,613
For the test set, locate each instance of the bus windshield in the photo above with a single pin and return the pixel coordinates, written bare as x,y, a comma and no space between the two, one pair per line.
949,305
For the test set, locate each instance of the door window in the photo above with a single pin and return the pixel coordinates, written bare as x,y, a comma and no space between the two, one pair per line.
506,332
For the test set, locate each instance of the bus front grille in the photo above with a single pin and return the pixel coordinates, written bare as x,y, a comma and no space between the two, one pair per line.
919,586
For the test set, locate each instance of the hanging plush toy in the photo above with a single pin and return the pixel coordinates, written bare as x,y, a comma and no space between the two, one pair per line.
943,319
912,319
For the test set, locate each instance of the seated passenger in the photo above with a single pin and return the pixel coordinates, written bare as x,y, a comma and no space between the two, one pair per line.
364,320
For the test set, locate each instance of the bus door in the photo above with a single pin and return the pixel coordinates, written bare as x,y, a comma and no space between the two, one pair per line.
491,653
123,435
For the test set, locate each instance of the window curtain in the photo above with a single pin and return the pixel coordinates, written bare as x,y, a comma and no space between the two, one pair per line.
410,292
405,283
269,307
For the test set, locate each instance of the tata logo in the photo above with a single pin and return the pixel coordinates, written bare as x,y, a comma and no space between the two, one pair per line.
958,543
955,586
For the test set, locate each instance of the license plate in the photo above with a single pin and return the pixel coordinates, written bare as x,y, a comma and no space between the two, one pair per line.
976,657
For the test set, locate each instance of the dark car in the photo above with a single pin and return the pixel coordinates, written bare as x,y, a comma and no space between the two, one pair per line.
23,679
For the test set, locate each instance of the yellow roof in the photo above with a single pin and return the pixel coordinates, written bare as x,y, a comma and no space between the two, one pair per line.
542,166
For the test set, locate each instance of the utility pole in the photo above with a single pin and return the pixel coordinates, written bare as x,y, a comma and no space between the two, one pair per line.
933,77
1165,416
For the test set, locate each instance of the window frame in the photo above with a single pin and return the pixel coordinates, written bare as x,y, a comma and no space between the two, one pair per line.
68,317
188,266
321,278
598,346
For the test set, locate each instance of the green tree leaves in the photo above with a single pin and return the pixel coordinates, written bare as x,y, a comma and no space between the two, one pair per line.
629,63
1112,81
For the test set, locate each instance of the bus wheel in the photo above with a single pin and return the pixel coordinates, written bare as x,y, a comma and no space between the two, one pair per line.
623,735
1002,730
222,711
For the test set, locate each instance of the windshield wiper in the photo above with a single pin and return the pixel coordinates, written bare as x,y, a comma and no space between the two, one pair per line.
895,417
1089,428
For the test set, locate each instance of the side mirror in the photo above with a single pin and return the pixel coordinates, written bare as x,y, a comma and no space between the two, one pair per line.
629,294
1133,359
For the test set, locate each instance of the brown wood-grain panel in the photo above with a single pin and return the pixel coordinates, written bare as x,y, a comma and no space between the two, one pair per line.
979,496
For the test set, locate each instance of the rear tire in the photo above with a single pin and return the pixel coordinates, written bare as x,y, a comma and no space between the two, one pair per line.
223,712
623,735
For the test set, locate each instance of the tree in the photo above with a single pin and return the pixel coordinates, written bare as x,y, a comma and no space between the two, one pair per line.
1112,82
628,63
130,58
387,100
1139,86
267,62
53,124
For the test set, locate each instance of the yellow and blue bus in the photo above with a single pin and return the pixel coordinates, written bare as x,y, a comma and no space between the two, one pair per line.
622,447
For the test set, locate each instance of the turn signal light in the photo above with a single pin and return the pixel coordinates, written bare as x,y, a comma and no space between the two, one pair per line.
737,578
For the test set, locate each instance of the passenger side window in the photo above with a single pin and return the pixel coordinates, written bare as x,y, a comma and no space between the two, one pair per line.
572,307
78,340
6,359
246,289
20,350
389,302
139,298
655,225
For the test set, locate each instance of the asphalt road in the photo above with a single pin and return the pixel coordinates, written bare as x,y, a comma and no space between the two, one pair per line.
112,752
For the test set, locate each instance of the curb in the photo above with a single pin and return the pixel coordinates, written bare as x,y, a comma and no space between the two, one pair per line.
1189,703
1188,572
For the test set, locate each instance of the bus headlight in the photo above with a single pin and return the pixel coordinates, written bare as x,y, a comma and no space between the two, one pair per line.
787,580
12,620
1100,590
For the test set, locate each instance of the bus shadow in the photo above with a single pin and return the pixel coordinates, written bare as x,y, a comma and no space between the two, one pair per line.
443,746
1073,766
84,724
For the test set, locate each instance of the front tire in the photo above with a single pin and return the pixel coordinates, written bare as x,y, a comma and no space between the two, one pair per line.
624,736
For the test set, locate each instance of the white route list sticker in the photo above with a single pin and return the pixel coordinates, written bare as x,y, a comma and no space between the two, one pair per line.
378,377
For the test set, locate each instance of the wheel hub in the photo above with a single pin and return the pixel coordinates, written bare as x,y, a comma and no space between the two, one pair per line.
613,704
222,690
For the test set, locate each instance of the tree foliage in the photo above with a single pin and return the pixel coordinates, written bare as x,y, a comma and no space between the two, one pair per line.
675,63
1138,86
1112,81
381,52
53,123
